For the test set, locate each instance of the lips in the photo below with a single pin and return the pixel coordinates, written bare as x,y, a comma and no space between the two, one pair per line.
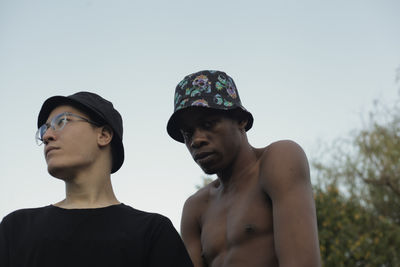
202,156
48,149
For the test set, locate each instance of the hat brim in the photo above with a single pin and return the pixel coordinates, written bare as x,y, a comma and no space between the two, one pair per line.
173,127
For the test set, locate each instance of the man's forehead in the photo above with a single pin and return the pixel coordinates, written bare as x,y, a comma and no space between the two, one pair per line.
61,109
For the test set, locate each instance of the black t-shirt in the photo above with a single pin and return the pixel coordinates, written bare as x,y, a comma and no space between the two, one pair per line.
117,235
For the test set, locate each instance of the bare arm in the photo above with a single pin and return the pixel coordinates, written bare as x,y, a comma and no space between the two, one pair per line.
191,231
285,178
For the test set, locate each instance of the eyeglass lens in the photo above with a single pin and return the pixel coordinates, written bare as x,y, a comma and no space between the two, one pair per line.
57,124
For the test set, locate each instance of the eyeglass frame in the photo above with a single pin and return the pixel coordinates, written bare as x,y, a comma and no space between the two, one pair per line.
41,132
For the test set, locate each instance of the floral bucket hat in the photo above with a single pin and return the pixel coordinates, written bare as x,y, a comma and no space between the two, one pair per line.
205,89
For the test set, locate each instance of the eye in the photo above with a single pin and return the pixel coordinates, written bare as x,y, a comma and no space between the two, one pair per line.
62,121
208,124
187,134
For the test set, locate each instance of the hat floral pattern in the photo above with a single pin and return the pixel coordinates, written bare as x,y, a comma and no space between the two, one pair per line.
213,89
207,89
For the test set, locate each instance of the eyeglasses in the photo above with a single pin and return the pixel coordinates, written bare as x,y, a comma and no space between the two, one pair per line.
57,124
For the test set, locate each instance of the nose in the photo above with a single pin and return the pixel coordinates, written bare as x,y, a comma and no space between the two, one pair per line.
49,135
199,138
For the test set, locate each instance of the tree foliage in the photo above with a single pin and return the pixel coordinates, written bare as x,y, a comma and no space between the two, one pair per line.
358,194
350,235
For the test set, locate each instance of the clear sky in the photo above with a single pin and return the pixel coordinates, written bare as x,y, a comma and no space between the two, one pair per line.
307,70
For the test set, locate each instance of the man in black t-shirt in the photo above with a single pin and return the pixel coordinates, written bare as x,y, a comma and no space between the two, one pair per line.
82,137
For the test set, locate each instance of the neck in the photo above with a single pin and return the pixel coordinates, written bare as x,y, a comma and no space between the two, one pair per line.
88,191
236,172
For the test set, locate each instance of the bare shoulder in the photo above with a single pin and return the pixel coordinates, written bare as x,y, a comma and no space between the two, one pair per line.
283,152
283,164
199,200
193,209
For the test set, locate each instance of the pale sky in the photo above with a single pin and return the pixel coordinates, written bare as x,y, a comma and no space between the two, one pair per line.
307,70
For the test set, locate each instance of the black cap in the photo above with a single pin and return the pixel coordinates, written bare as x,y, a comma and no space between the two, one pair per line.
99,109
210,89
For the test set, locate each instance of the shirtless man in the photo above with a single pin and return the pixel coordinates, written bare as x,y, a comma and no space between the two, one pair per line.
81,136
260,210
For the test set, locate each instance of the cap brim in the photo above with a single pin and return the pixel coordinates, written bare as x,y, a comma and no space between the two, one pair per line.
173,128
118,153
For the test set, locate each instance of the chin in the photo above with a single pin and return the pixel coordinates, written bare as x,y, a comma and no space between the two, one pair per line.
58,171
209,170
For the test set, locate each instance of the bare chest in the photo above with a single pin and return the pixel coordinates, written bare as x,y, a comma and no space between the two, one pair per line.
237,222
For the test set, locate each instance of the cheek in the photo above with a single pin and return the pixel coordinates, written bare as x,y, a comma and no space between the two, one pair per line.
229,144
80,144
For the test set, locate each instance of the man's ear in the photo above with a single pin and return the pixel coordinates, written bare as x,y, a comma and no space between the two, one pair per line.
105,135
242,124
